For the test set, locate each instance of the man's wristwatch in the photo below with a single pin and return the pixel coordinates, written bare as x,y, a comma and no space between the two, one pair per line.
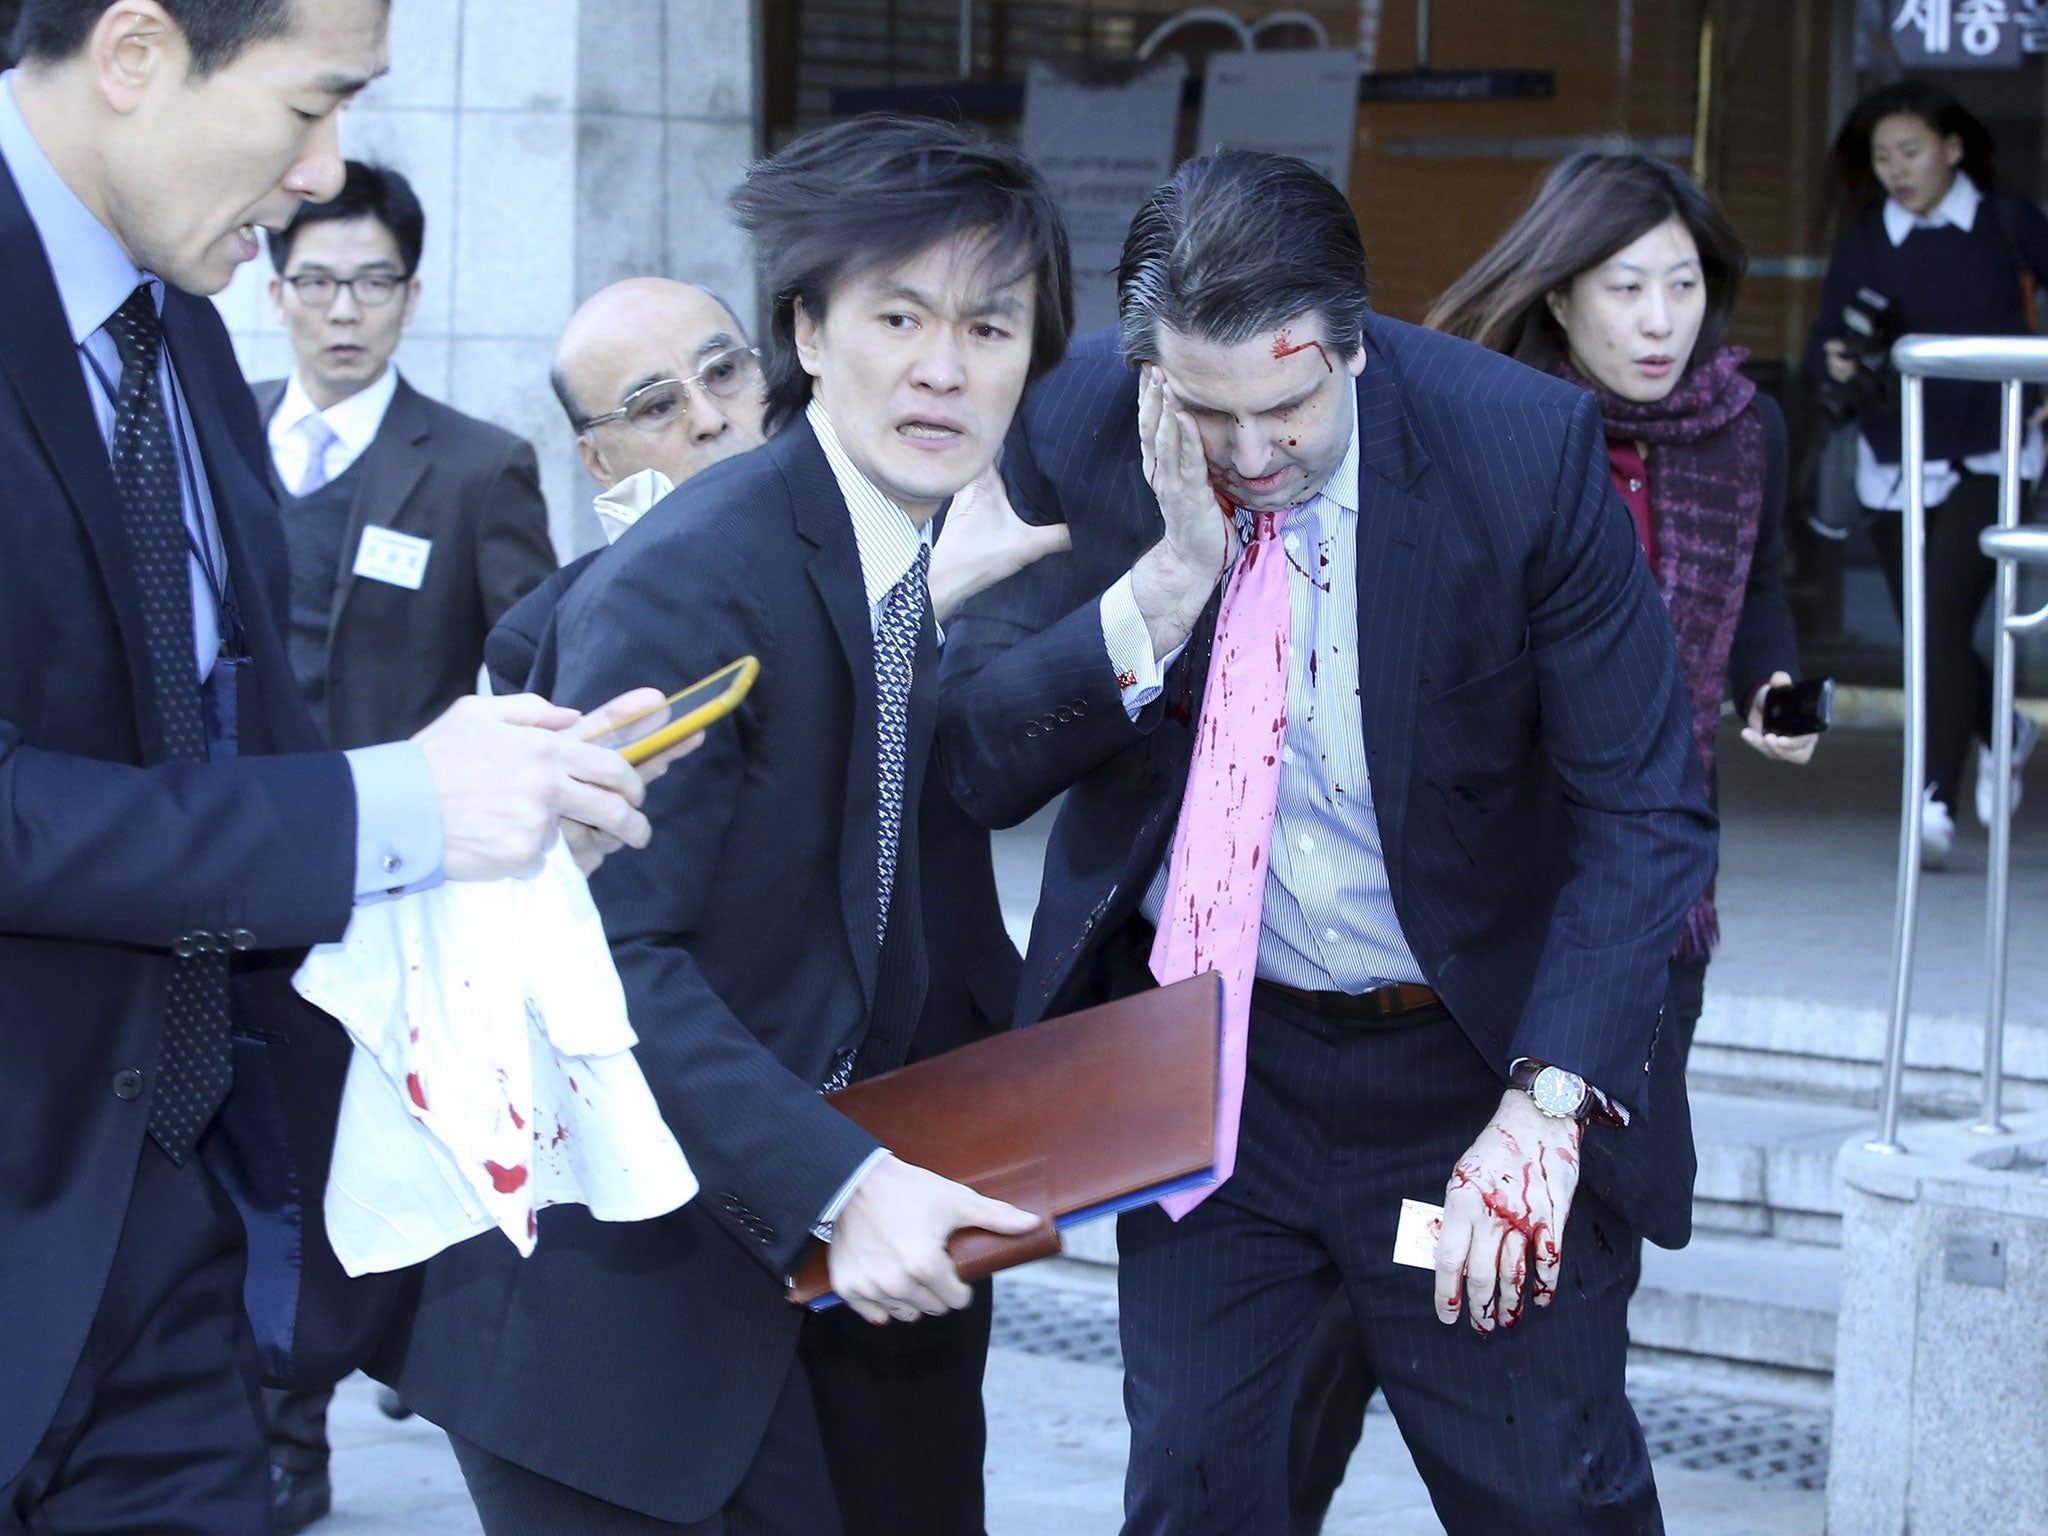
1559,1094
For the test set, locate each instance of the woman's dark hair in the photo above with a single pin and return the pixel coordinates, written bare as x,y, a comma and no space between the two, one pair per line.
876,190
1590,207
367,191
1238,243
215,30
1853,186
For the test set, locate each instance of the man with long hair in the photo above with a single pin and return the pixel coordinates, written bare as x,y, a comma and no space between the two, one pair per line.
645,1377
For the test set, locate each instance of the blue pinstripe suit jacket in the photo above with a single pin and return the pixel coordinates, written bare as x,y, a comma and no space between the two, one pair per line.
1526,729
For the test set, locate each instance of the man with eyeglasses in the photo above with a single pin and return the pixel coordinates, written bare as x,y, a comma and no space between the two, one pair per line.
411,528
657,374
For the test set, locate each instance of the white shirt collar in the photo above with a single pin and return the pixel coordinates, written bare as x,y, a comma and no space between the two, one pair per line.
94,275
1959,208
355,421
888,540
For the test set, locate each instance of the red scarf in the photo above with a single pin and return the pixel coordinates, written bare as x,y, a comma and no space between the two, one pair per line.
1706,495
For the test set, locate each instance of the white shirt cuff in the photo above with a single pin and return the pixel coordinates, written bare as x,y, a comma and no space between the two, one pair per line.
1140,676
399,838
822,1228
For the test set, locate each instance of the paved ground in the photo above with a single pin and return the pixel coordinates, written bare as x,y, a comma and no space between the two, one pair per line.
1055,1467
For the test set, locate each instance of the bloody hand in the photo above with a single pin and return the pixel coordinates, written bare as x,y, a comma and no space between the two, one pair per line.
1504,1211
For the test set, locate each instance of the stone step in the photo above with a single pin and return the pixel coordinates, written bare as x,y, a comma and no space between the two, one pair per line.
1816,1049
1741,1300
1767,1165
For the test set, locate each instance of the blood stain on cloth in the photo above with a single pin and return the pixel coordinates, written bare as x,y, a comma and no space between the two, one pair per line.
414,1087
507,1181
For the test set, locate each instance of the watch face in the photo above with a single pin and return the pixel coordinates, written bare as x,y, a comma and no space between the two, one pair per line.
1558,1092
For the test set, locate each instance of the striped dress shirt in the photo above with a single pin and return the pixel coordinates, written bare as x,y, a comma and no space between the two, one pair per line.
1329,923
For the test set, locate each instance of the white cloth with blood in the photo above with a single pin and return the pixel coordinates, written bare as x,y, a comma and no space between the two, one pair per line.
493,1072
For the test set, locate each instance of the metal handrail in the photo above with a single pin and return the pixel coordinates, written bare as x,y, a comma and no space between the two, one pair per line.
2010,362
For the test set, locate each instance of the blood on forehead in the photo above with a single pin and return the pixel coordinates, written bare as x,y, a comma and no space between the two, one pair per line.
1285,346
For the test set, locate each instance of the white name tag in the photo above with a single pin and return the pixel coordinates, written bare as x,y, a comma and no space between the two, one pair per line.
1415,1238
397,558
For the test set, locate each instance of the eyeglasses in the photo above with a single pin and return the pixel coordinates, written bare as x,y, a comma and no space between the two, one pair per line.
372,290
652,406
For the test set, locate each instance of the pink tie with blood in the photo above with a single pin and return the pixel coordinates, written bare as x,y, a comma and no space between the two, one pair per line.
1216,885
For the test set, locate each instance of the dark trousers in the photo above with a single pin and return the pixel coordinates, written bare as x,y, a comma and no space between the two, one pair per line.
1337,1380
295,1421
1525,1431
786,1491
1959,578
900,1412
158,1433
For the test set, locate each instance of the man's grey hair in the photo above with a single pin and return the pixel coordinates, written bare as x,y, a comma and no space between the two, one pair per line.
1238,243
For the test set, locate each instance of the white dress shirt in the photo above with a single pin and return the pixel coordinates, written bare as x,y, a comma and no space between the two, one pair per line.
354,422
888,542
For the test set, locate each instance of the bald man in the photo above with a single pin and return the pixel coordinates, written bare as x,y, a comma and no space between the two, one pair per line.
659,383
657,374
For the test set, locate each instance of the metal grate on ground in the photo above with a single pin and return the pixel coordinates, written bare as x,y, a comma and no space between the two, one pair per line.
1765,1443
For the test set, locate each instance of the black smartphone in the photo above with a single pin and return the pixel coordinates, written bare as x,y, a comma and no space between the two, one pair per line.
1800,709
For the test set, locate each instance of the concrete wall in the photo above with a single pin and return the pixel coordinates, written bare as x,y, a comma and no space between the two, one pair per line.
557,145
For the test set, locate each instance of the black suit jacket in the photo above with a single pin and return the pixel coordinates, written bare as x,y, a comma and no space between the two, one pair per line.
109,857
639,1361
974,968
396,658
1532,767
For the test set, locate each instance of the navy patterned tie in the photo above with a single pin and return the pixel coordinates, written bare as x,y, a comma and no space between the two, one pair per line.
895,653
196,1063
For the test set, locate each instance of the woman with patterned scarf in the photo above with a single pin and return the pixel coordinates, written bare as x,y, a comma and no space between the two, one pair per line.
1620,278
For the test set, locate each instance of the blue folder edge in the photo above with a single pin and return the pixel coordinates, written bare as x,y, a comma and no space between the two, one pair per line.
1089,1213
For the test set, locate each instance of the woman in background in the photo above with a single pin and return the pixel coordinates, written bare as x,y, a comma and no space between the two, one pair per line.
1930,247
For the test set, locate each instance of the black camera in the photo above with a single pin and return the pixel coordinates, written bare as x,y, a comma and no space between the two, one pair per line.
1870,324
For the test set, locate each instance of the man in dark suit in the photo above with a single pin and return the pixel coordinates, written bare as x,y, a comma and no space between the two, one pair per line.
673,388
644,1377
1418,782
410,528
176,832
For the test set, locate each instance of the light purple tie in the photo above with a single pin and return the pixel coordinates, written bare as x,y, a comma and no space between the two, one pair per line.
1216,885
319,438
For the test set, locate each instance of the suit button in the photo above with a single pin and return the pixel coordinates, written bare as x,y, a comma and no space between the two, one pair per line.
1031,728
127,1084
1048,721
1079,707
187,946
241,938
1064,713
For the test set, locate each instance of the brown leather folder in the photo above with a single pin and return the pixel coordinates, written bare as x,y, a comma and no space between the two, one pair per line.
1075,1117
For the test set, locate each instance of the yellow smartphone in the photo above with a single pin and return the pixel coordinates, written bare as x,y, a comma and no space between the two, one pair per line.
681,714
